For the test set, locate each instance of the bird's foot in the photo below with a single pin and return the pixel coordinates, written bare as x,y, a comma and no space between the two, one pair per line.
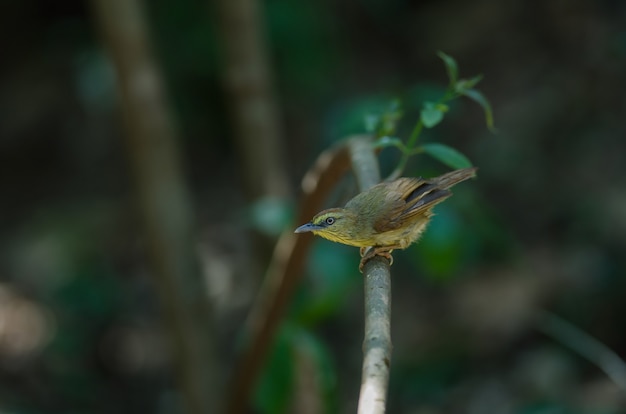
368,253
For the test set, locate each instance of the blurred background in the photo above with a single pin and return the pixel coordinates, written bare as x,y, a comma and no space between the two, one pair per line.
83,327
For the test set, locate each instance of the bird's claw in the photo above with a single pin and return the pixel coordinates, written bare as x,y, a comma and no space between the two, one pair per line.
368,253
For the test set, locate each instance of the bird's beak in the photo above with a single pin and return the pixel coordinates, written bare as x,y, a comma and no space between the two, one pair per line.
307,227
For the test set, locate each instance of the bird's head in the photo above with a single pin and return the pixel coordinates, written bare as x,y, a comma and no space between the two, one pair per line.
335,224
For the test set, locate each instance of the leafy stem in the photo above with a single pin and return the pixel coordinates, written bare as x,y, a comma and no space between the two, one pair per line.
432,114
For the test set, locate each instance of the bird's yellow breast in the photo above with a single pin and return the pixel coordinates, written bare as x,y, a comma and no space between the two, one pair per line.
403,236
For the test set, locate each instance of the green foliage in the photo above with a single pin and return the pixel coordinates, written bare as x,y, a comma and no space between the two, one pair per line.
447,155
432,113
451,67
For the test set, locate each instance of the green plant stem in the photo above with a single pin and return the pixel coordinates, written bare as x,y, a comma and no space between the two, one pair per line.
411,148
407,150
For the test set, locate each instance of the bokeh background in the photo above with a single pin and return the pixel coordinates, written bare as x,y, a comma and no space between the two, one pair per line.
482,307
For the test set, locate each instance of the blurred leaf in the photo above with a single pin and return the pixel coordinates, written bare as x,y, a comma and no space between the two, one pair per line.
447,155
465,84
451,67
271,215
478,97
431,114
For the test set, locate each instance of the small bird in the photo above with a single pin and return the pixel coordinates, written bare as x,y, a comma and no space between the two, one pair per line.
388,216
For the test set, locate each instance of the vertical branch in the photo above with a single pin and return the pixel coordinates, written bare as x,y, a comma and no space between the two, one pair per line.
163,200
377,339
248,83
364,162
286,267
377,290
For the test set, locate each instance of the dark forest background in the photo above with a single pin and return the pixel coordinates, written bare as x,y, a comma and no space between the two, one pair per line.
543,228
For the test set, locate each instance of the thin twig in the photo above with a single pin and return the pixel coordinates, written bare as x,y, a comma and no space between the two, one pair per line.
377,290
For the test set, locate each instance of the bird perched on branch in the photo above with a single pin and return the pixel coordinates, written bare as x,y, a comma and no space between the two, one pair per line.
388,216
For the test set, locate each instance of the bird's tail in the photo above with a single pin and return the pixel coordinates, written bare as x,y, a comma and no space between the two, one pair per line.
447,180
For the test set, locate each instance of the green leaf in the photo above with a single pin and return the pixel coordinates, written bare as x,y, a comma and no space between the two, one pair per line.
451,67
447,155
431,114
465,84
479,98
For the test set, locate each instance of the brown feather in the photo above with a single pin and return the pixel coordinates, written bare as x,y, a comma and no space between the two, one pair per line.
408,199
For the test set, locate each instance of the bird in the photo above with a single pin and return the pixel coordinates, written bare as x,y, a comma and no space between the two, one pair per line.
388,216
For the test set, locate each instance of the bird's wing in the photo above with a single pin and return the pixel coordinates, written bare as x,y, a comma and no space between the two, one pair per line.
407,198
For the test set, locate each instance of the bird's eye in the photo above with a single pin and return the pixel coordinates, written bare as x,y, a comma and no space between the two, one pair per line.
330,220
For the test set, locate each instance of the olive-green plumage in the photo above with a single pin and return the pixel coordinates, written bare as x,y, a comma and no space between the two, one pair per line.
390,215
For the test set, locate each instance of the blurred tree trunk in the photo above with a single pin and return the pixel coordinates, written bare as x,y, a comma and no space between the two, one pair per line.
163,200
248,83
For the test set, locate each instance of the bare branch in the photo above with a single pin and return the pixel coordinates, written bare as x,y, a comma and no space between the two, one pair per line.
163,200
377,290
